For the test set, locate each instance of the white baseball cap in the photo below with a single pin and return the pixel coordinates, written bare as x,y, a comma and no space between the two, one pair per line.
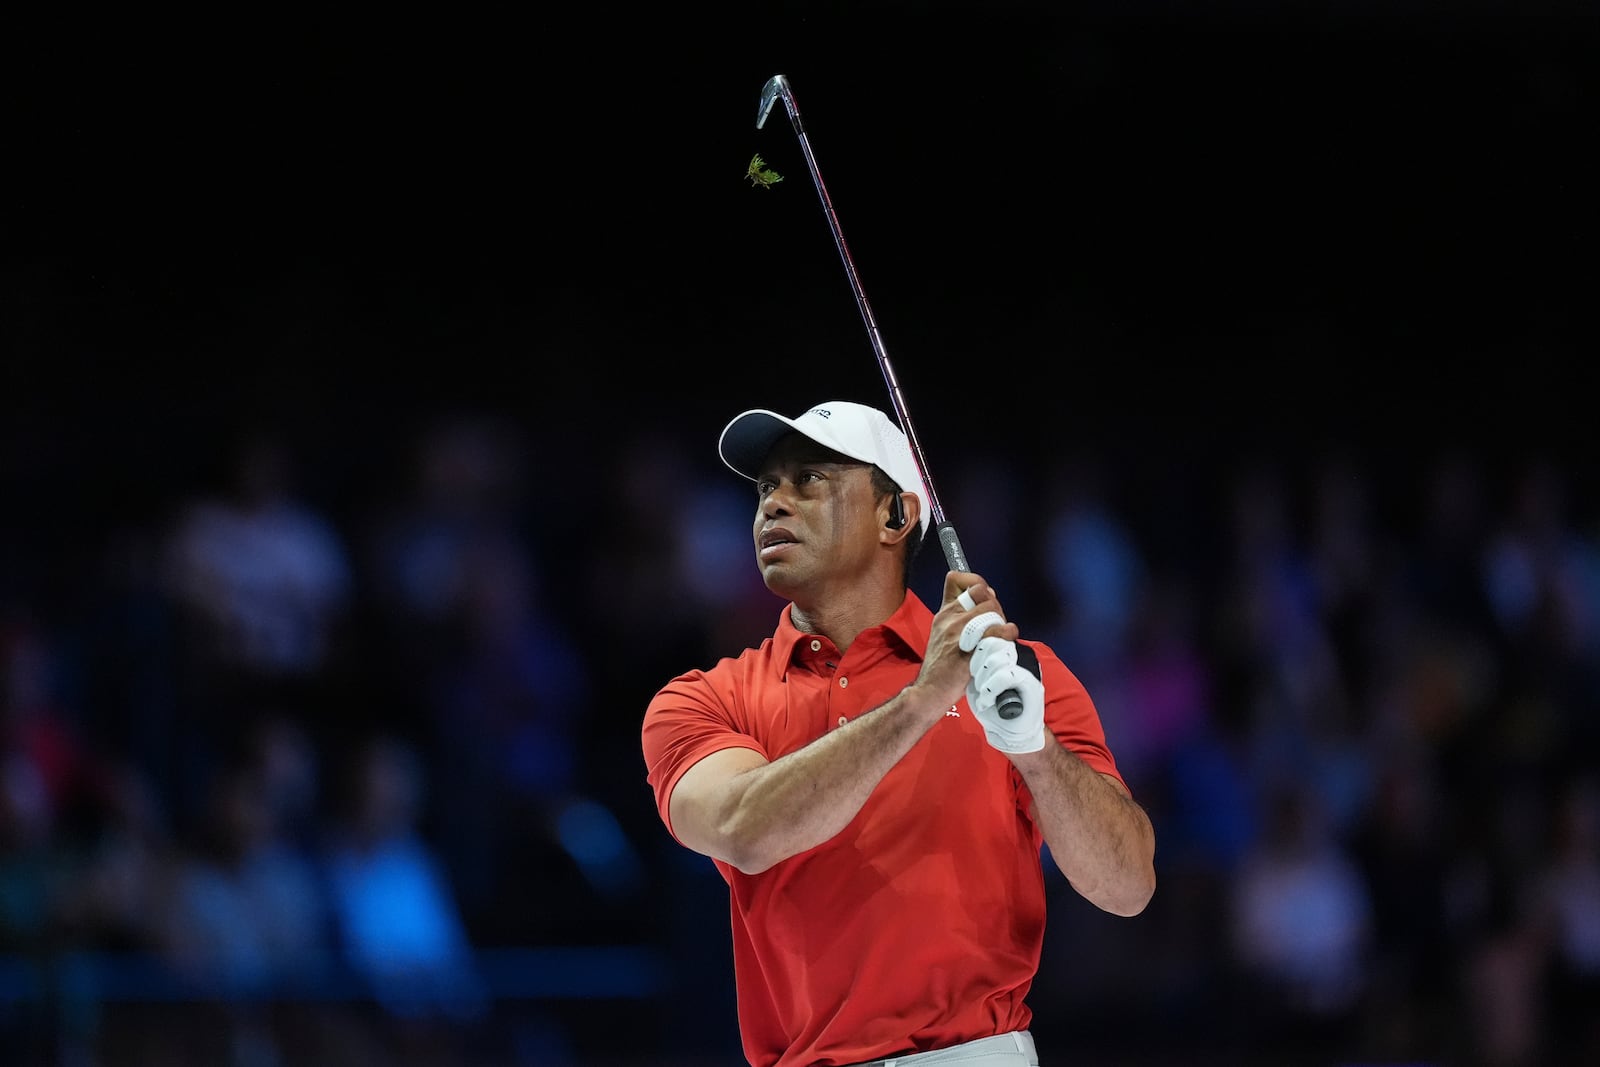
855,430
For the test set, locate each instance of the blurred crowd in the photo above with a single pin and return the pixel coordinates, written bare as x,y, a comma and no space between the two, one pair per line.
305,736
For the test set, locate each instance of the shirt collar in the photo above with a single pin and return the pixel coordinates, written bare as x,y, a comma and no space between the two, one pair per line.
909,626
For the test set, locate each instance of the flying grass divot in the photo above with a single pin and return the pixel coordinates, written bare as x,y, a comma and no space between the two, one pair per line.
760,174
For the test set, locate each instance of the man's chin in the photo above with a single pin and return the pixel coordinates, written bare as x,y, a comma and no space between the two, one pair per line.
781,580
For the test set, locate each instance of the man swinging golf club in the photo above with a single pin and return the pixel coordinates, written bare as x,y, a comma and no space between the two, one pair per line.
878,821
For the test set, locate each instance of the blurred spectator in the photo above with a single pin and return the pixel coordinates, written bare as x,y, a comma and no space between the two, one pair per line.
1301,924
126,862
989,499
396,919
1161,701
263,586
1441,569
1568,901
248,928
1541,574
1496,924
1093,569
36,872
249,914
460,500
1403,850
1346,556
112,905
507,713
1273,642
57,796
263,573
290,767
40,736
497,679
638,593
126,657
1271,602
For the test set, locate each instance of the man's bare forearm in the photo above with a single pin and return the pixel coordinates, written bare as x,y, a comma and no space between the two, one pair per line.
796,802
1098,835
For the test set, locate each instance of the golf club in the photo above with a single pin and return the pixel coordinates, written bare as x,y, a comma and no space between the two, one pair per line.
1010,703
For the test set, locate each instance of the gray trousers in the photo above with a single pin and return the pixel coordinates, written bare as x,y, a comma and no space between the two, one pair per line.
1002,1050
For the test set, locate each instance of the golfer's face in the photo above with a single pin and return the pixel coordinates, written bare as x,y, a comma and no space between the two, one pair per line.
814,517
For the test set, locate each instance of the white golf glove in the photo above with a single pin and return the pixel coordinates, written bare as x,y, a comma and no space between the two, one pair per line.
996,668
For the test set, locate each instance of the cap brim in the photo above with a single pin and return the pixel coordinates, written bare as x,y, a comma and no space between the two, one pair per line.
749,437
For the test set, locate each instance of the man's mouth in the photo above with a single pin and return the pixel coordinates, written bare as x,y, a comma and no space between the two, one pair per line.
774,541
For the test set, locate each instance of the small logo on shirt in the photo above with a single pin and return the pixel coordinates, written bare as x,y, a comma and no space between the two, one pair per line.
952,713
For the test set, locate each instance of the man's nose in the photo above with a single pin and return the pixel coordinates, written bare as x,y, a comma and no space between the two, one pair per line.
776,502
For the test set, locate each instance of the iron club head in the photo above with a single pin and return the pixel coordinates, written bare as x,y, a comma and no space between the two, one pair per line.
776,86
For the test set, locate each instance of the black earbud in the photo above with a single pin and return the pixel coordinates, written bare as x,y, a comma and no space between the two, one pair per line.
897,512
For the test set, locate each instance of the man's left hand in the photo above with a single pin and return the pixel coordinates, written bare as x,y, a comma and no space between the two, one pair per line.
995,669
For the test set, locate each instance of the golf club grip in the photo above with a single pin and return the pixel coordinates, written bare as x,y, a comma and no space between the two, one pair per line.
1010,702
951,544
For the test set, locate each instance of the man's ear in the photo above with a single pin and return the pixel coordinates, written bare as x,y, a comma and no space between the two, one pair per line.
912,505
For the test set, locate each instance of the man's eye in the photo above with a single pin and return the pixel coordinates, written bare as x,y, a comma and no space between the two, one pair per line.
763,488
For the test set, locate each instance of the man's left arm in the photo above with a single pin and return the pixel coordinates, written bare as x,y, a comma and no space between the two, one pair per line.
1099,836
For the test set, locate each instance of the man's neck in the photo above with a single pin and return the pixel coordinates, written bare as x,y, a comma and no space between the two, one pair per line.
841,618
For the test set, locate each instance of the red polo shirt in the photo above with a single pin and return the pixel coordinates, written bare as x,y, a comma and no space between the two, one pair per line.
920,924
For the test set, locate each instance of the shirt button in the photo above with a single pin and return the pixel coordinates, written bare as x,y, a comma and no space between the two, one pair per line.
816,646
844,683
843,719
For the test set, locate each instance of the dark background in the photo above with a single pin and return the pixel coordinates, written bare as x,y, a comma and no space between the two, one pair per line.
1171,237
1335,218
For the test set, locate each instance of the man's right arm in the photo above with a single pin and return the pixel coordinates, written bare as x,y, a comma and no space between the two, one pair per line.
735,806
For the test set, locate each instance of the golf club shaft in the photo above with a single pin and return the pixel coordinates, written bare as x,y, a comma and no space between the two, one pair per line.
1009,702
777,87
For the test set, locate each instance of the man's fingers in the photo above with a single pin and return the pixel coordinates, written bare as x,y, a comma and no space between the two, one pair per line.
999,681
992,654
973,631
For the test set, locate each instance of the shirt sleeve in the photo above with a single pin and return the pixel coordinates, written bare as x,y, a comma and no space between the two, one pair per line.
689,718
1071,715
